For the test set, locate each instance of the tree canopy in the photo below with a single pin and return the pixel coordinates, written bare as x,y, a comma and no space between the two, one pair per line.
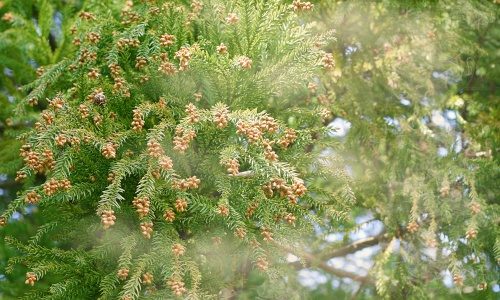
249,149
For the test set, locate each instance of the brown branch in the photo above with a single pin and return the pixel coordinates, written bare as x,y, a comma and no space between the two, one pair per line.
313,261
9,184
356,246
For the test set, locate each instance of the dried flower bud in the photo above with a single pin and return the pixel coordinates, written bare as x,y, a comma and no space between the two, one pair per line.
147,278
412,227
220,115
312,87
233,166
197,96
184,56
299,6
240,232
222,49
97,119
8,17
87,16
115,69
33,101
166,163
167,68
251,209
177,286
84,111
142,206
146,229
262,263
65,184
298,188
30,278
244,62
109,151
471,234
123,273
61,140
20,175
232,19
93,37
475,207
289,138
50,187
290,218
140,62
57,103
328,61
93,74
266,234
251,130
154,148
181,205
32,197
458,279
223,210
108,219
193,115
183,138
137,121
169,215
167,40
178,249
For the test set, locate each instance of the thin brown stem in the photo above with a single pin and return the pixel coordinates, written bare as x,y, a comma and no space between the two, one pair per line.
309,260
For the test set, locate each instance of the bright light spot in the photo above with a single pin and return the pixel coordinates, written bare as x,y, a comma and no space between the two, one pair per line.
351,49
16,216
311,279
391,121
334,237
336,262
442,151
438,119
340,127
291,258
366,253
447,280
358,235
450,114
431,253
405,102
8,72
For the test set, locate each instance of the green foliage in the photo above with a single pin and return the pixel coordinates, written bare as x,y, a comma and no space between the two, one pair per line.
210,154
136,122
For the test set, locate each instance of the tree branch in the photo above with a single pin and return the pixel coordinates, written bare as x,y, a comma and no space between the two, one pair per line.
313,261
356,246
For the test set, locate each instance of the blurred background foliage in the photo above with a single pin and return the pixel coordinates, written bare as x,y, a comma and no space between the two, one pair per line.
415,95
415,98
